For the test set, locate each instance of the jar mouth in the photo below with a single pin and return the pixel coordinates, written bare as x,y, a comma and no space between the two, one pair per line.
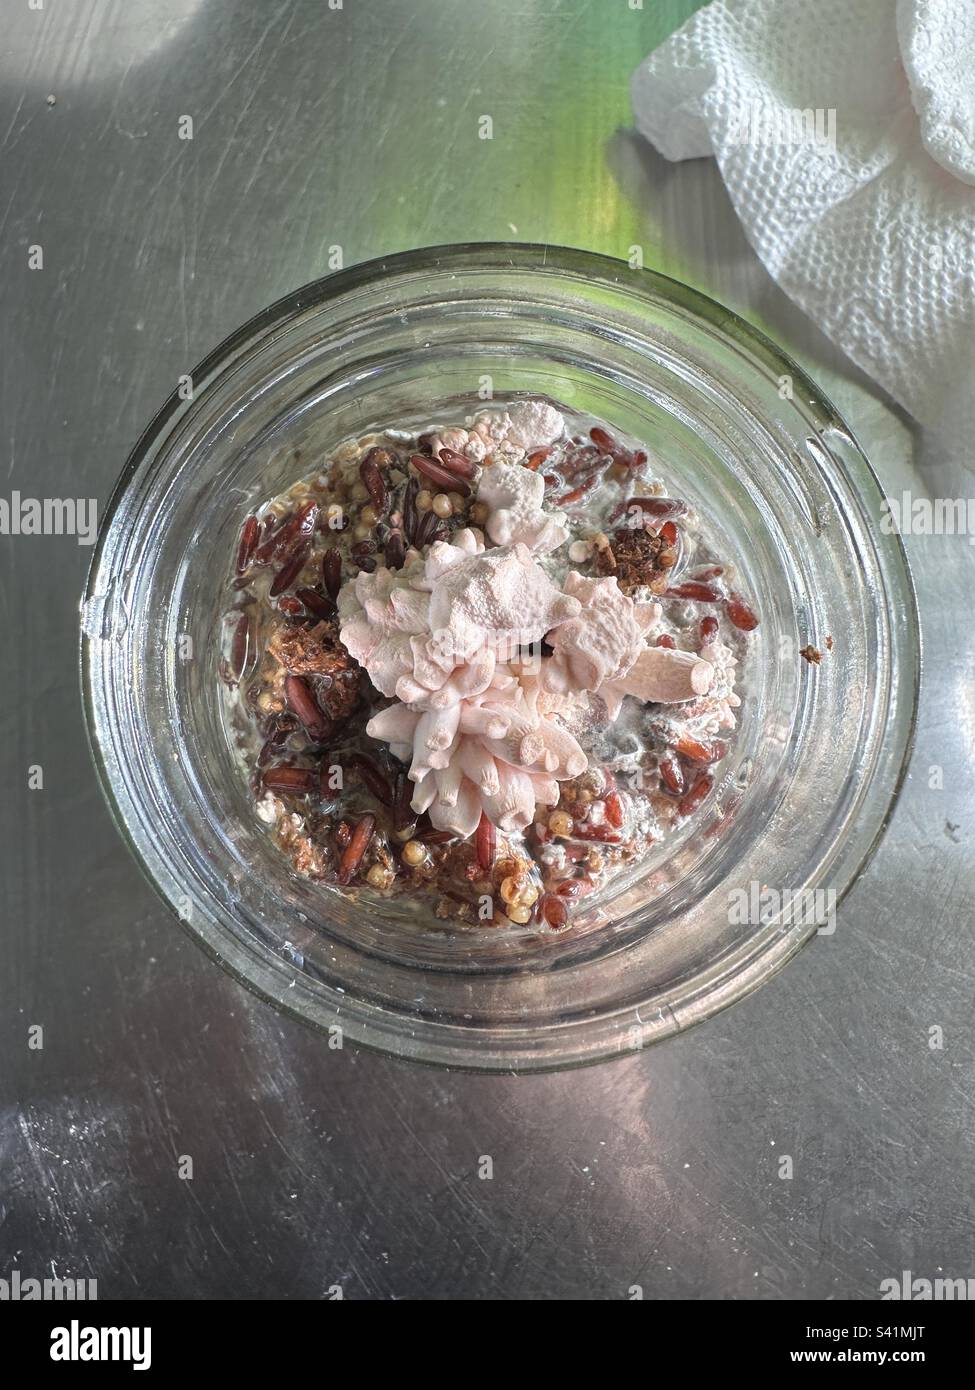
778,477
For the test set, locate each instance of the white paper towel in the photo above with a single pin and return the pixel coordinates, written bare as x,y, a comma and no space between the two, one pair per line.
845,133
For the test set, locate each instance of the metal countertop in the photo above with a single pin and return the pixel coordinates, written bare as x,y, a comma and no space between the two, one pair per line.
316,128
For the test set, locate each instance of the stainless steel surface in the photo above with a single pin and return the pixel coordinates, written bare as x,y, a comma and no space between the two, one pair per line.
358,128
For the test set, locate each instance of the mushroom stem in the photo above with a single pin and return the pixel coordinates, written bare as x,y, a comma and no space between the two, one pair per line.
666,676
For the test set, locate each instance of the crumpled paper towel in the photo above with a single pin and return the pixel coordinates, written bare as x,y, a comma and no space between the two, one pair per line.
863,208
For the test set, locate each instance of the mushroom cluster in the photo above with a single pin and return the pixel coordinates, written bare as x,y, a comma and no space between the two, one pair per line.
455,637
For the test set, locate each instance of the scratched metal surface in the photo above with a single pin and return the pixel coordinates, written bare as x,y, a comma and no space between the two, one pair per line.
315,128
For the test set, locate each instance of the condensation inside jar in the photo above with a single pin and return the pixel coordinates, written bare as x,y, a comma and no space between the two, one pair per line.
485,671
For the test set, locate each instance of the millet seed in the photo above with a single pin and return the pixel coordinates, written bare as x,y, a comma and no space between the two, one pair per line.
510,890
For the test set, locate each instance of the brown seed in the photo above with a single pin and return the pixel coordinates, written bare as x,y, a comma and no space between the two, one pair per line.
443,477
356,848
693,589
270,536
668,533
409,510
553,911
291,606
403,813
292,532
300,699
582,459
288,778
693,750
615,811
395,552
699,790
576,495
436,837
291,569
248,543
672,775
240,647
709,630
358,842
372,478
485,843
743,617
574,888
332,572
455,462
374,777
665,640
316,603
427,529
538,457
282,725
277,734
603,440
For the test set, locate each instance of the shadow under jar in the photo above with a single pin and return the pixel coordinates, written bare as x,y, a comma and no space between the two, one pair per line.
782,490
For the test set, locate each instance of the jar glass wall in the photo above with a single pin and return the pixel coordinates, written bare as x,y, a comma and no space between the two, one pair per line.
783,490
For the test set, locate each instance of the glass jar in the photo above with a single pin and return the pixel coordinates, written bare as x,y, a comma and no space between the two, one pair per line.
783,490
